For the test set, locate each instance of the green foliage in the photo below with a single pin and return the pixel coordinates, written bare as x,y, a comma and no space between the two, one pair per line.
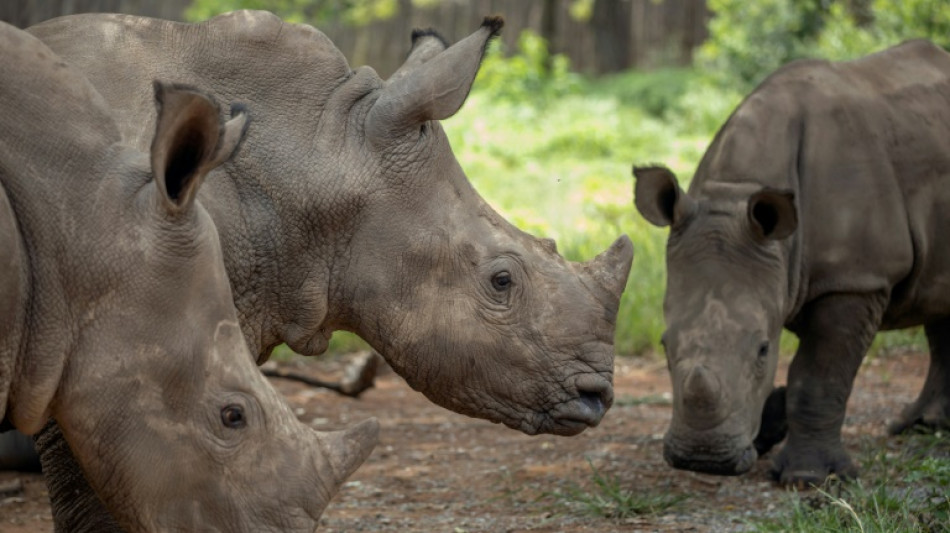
353,12
845,37
659,94
342,342
606,498
904,487
530,73
749,40
899,340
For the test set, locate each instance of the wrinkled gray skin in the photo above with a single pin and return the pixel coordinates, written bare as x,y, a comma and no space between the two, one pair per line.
821,206
346,210
118,317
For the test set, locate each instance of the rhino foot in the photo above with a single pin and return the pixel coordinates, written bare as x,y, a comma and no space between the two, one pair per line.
804,468
924,414
931,410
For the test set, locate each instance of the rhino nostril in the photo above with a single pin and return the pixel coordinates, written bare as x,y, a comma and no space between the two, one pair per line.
594,401
595,389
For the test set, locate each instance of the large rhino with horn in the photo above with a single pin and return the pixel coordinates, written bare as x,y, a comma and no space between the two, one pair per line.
346,210
822,205
118,320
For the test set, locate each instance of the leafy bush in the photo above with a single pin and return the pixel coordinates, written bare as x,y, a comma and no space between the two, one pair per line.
531,72
352,12
749,40
893,22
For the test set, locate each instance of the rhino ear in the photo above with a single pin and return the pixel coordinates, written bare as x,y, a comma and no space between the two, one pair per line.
659,197
432,90
426,44
772,214
189,142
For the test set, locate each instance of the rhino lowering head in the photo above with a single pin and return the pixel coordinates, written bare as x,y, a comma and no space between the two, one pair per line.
727,287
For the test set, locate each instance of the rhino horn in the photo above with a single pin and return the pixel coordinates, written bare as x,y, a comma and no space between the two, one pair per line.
190,141
347,449
433,90
611,268
700,386
426,44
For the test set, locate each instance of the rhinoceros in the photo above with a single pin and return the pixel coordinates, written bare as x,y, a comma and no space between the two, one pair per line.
822,205
118,317
346,210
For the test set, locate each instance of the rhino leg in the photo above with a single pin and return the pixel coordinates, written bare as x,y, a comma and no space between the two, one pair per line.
835,332
932,407
774,425
76,507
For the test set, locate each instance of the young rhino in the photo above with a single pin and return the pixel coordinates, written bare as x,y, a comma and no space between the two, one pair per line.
118,319
820,206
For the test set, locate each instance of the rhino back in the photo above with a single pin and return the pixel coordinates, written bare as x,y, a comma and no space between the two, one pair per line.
865,146
121,54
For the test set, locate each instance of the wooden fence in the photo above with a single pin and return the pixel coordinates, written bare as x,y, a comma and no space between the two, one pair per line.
619,34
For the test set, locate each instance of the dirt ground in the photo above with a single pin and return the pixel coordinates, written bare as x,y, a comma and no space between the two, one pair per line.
436,471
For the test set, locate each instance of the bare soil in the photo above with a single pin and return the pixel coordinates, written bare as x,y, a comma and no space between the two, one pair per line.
437,471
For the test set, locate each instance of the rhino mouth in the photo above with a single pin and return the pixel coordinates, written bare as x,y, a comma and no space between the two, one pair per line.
730,462
585,411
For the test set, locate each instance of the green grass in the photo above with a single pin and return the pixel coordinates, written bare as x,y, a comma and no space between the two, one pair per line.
605,497
904,486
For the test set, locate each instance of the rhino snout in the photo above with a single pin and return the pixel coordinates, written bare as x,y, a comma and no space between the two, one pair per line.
595,394
721,462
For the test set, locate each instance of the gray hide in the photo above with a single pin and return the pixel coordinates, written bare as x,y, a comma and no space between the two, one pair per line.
118,317
821,206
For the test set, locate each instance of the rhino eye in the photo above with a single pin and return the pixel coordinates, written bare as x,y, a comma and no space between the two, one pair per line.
764,349
232,416
501,281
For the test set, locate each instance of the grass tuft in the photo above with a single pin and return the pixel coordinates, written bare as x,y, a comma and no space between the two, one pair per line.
905,486
606,498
